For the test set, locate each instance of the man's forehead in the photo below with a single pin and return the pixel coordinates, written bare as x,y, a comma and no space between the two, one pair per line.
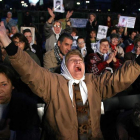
74,56
105,42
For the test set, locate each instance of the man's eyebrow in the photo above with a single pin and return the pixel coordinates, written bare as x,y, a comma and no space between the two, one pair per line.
3,81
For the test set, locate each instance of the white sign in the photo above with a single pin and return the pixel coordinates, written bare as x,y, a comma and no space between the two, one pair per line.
58,6
74,44
102,32
125,21
78,22
94,47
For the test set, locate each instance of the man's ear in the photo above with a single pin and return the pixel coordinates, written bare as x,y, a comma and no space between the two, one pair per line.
58,43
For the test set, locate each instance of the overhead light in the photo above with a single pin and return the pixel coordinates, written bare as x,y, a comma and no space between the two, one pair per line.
78,3
87,1
96,9
22,1
10,8
108,9
0,0
139,9
122,9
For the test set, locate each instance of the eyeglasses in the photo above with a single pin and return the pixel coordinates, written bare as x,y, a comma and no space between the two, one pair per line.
76,60
81,42
16,43
28,36
56,26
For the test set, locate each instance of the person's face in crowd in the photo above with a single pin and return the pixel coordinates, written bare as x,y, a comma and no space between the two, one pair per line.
113,32
132,36
13,30
81,43
57,27
28,35
121,29
76,66
92,61
65,46
92,17
73,34
92,34
9,15
5,89
114,41
108,18
19,43
137,48
104,47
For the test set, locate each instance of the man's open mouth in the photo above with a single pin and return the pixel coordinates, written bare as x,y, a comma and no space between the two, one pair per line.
77,69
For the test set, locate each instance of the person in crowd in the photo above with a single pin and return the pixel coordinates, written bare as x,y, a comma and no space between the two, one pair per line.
91,24
129,43
52,30
14,30
90,42
21,41
114,46
109,22
132,56
112,30
9,22
82,46
34,47
27,19
122,36
128,124
54,57
18,113
74,34
68,94
103,59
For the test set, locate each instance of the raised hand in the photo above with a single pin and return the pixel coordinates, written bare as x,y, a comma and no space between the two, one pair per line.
69,14
5,40
51,12
110,58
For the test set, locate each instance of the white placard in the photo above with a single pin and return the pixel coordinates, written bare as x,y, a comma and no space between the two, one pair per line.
78,22
94,47
102,32
125,21
74,44
58,6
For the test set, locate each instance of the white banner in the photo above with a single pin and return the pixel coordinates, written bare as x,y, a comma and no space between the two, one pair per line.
125,21
78,22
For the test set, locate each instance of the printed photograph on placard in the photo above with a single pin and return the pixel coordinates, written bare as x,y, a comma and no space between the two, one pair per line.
102,32
58,6
125,21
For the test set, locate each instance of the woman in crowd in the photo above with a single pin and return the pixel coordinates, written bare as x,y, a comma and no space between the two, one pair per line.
102,60
14,30
114,46
18,112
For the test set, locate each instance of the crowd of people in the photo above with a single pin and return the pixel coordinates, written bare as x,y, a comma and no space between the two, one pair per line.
70,79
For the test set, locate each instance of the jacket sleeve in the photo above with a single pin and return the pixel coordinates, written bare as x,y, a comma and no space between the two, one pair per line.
111,84
37,78
48,30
